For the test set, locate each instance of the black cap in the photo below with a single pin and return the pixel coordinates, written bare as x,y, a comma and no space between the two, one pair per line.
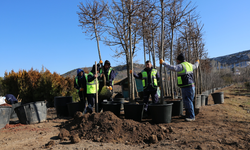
93,68
181,57
106,62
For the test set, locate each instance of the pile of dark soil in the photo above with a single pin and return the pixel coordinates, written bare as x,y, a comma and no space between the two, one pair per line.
107,127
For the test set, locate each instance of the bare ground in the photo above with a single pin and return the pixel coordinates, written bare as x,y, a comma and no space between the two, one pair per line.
221,126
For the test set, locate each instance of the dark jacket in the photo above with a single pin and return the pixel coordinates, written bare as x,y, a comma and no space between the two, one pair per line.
81,80
149,86
11,98
111,78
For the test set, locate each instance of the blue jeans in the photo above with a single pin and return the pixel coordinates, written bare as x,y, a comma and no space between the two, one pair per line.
188,97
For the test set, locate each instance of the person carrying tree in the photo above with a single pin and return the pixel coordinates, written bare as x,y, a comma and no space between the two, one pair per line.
109,74
185,80
91,88
150,81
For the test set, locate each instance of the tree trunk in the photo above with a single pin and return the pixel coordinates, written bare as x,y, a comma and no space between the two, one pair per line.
131,54
153,47
171,63
162,46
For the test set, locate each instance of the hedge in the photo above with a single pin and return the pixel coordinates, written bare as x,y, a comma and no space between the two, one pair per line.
33,85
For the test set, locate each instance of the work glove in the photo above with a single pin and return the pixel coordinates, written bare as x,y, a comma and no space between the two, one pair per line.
198,61
100,62
130,71
81,89
110,88
161,61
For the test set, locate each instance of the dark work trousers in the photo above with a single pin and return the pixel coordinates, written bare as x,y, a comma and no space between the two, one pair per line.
82,96
91,101
146,95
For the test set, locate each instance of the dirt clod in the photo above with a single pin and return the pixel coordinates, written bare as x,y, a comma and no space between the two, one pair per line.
153,139
75,139
50,144
63,133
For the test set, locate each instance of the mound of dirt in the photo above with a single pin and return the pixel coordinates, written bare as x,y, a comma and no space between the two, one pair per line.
107,127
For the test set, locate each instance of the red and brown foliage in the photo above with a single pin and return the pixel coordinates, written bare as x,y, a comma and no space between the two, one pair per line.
33,85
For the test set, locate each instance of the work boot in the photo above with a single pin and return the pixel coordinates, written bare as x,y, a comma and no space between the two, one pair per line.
190,119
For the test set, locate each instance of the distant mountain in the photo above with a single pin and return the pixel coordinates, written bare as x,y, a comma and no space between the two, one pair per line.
240,59
121,71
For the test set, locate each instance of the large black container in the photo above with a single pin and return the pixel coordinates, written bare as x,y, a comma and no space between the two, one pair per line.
113,107
177,108
5,112
31,113
13,113
74,107
133,111
206,100
60,104
218,97
161,113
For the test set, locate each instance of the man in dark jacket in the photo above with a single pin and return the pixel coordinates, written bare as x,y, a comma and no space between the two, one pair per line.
11,99
80,85
150,81
109,73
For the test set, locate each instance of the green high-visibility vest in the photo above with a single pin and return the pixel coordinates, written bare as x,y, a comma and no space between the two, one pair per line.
110,69
153,79
91,86
185,77
76,79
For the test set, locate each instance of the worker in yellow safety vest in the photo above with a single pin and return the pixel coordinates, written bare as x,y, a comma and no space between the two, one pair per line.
109,73
150,81
185,80
91,88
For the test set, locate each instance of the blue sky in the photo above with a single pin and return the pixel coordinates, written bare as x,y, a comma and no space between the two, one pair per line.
36,33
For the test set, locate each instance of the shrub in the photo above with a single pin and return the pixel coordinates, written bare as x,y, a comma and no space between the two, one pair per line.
34,86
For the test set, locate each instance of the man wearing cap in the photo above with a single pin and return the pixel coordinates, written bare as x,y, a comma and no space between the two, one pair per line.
80,85
10,99
91,88
185,80
150,81
109,73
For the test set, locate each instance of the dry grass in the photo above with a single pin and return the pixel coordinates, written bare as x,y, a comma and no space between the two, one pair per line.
237,107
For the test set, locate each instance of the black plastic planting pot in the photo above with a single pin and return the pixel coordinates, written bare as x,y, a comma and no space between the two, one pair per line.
31,113
60,104
13,113
161,113
5,112
114,107
74,107
177,108
133,111
218,97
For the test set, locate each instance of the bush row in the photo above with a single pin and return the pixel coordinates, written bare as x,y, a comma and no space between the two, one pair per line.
32,85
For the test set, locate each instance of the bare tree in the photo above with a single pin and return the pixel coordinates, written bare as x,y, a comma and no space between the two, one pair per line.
123,31
176,15
92,19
